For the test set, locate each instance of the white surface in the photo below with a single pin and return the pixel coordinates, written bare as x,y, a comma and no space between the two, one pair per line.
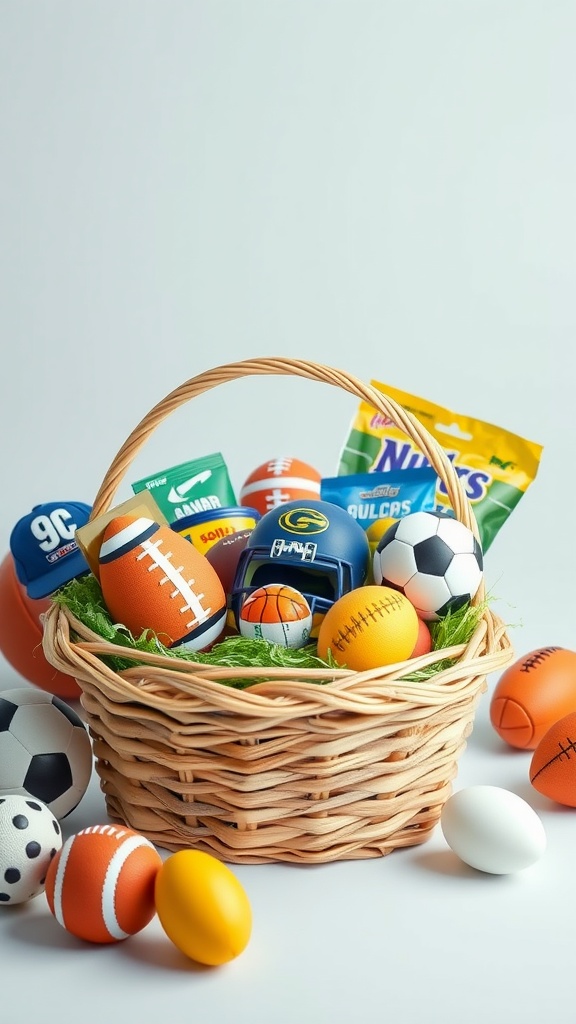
384,187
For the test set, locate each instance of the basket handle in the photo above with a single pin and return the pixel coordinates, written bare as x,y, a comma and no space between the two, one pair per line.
287,367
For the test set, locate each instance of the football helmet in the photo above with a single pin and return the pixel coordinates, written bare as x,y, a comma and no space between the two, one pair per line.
312,545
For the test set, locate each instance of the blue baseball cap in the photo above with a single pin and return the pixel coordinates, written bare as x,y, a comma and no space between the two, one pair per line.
44,548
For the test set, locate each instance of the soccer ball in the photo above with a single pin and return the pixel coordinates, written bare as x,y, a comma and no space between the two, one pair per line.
45,750
30,836
434,559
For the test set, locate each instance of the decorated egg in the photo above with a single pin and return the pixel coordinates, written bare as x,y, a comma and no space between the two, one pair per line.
202,907
278,481
30,836
277,613
154,579
100,885
533,693
553,764
369,627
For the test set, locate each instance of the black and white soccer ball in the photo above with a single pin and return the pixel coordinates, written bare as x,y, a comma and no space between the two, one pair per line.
30,836
434,559
45,750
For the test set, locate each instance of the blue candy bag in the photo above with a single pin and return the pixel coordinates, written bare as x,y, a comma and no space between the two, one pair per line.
369,497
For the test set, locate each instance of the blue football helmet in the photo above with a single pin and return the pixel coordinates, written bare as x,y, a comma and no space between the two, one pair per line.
312,545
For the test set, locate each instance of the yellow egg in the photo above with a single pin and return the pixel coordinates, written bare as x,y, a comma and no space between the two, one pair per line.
377,529
202,907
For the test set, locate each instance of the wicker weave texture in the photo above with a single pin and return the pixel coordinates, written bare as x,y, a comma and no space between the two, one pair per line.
306,767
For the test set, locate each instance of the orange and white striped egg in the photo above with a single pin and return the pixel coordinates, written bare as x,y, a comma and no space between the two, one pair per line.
100,884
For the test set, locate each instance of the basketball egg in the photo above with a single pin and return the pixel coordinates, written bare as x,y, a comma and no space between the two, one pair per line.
277,613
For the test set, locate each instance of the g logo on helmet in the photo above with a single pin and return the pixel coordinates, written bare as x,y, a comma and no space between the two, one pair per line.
303,521
317,548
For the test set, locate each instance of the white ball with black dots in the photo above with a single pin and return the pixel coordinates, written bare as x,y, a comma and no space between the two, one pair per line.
30,836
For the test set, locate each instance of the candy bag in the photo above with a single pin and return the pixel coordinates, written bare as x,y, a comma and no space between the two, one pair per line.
372,496
496,467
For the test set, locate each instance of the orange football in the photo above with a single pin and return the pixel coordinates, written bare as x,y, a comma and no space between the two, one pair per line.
152,578
553,764
100,884
278,481
532,694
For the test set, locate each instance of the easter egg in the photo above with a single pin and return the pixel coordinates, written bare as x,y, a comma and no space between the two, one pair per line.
277,613
423,641
553,764
100,885
224,554
492,829
21,635
278,481
533,693
377,529
153,578
30,836
369,627
202,907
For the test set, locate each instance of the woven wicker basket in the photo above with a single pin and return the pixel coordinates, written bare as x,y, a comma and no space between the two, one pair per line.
287,770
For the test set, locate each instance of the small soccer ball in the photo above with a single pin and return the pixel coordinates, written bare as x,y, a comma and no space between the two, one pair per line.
30,836
277,613
45,750
434,559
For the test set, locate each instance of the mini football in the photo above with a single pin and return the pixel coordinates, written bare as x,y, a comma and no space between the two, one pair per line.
154,579
553,764
278,481
533,693
434,559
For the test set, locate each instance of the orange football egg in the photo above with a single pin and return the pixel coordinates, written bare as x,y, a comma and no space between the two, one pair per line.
532,694
278,481
100,884
152,578
553,765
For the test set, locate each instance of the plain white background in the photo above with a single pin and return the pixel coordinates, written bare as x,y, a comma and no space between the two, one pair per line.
385,187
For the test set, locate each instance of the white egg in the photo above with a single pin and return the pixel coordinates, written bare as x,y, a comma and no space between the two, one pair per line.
492,829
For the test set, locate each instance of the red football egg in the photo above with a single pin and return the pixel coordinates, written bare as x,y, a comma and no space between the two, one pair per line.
21,635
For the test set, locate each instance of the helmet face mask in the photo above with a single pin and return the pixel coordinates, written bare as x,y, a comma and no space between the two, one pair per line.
314,546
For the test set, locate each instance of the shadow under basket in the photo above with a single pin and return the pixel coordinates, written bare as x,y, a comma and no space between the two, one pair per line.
304,766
